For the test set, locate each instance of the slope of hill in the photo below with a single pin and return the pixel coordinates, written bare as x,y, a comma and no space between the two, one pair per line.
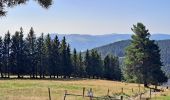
118,49
84,42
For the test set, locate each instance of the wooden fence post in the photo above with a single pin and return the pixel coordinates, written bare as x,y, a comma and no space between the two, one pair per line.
150,92
49,93
83,91
122,90
65,94
140,98
139,87
108,92
121,97
91,93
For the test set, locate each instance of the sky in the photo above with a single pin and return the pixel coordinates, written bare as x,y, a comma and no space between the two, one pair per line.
88,16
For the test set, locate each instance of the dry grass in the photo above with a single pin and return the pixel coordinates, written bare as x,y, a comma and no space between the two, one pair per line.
38,89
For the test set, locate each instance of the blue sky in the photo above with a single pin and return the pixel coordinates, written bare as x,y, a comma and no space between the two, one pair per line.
89,16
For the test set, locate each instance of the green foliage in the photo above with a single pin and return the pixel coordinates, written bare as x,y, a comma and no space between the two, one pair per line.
112,70
1,56
56,59
81,66
18,54
31,53
48,56
142,58
97,68
6,54
4,4
40,56
75,63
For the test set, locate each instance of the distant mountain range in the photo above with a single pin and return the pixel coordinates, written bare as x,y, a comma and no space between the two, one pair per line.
84,42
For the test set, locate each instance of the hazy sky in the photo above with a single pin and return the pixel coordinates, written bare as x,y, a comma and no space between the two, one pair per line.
89,16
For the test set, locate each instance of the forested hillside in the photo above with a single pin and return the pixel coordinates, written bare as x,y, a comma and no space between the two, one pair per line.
118,49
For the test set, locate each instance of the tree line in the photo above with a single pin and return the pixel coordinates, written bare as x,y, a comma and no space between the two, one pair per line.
41,57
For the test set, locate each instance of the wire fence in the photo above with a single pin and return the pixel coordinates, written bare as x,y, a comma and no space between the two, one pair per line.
85,94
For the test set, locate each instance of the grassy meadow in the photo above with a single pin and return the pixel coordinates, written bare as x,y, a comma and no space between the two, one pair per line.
38,89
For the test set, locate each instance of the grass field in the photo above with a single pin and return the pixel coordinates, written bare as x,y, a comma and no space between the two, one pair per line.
38,89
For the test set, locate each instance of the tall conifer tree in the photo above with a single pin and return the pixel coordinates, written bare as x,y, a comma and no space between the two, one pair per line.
143,58
31,44
6,53
56,59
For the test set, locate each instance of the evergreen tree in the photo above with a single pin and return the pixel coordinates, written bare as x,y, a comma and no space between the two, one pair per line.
87,62
40,49
14,53
48,55
143,58
63,51
75,63
56,56
22,54
6,54
96,64
111,68
31,45
114,65
1,57
81,72
69,66
107,68
156,75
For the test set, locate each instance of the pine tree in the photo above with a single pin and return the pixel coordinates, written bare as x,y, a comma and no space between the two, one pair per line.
75,63
56,56
1,57
69,66
63,51
6,53
112,69
22,54
96,64
142,58
48,55
40,49
31,45
114,65
81,72
15,54
87,63
107,68
156,75
18,55
93,63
